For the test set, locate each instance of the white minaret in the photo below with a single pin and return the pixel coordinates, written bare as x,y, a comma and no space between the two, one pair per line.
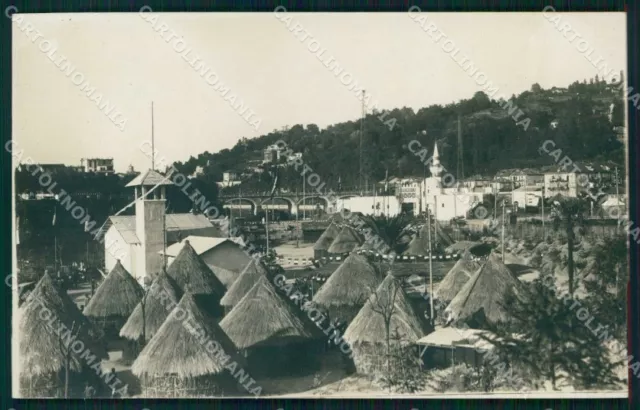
436,168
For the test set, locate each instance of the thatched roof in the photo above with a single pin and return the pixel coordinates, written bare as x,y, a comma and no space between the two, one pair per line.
441,236
456,278
247,279
265,317
326,239
117,295
368,325
188,270
350,284
346,241
419,245
156,309
178,348
485,293
40,351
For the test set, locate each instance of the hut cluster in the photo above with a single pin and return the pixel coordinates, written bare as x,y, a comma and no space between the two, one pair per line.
191,334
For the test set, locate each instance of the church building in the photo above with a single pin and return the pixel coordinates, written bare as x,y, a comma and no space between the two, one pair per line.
138,240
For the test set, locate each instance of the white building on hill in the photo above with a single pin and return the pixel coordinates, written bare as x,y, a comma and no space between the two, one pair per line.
136,240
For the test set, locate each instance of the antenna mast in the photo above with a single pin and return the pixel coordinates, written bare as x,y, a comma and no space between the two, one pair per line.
460,151
361,135
153,143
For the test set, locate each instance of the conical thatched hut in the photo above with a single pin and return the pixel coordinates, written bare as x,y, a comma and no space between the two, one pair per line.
482,299
114,301
456,278
162,296
44,346
321,247
346,241
348,288
243,285
180,359
419,245
367,333
188,270
272,332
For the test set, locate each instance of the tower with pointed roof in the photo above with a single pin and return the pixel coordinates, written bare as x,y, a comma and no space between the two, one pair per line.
150,195
435,168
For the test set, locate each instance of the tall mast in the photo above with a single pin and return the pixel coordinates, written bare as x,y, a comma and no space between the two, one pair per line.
430,266
361,135
460,151
153,141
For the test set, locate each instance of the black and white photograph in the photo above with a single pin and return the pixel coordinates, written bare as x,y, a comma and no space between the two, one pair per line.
320,205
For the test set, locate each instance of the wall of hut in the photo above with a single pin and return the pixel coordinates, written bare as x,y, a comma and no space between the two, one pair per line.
286,358
172,386
53,384
370,358
443,357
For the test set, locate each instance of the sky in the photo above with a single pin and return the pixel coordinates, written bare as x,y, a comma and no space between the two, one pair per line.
271,71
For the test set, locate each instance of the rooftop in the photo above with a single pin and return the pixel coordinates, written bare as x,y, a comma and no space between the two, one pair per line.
150,178
176,224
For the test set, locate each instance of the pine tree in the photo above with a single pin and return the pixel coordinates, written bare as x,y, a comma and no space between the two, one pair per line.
548,342
606,277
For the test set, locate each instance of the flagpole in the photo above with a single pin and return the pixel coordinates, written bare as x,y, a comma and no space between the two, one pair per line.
502,231
544,235
266,227
430,266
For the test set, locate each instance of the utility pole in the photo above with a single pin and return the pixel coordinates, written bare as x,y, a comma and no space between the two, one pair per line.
544,233
266,227
304,199
617,197
153,146
495,202
503,231
460,152
430,267
364,93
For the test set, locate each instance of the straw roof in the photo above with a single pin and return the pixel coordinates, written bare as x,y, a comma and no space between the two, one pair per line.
350,284
117,295
156,309
247,279
368,325
189,270
442,236
419,245
485,293
265,317
326,239
457,277
40,351
346,241
179,348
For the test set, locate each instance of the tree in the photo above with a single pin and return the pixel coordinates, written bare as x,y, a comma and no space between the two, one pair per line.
606,277
548,341
385,307
405,373
536,89
390,229
568,214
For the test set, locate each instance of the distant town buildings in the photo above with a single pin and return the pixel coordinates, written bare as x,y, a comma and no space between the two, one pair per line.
272,154
229,179
98,165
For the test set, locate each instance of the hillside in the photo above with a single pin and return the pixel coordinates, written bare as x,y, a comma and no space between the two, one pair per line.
576,118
